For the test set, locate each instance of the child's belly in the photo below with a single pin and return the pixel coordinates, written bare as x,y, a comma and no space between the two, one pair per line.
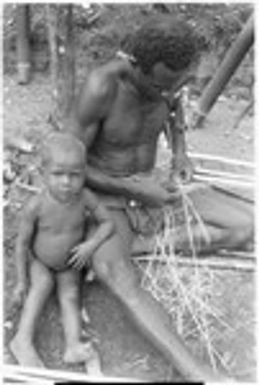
54,250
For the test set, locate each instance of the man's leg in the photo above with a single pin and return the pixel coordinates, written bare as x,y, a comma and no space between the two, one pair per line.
40,288
68,283
229,221
114,268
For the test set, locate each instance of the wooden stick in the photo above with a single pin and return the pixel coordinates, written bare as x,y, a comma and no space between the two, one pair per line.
229,161
216,262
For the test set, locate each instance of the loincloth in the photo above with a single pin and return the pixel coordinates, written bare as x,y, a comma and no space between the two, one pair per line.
194,205
144,220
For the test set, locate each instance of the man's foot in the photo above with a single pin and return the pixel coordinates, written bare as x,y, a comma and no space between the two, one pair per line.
78,353
25,353
93,364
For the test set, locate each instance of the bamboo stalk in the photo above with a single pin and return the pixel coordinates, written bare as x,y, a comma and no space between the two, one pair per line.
226,69
217,262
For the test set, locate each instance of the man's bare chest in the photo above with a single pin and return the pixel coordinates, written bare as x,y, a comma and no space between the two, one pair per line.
132,120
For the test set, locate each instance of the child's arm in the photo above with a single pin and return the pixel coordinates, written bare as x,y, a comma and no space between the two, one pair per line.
104,230
23,241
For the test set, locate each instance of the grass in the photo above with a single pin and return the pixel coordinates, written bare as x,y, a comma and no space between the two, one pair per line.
188,293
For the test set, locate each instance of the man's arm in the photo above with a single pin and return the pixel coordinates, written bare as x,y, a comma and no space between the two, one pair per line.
182,168
81,253
145,190
102,218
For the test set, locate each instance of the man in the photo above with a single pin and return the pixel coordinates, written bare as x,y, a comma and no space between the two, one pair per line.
120,113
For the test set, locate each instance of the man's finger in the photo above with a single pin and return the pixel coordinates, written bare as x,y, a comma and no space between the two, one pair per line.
174,196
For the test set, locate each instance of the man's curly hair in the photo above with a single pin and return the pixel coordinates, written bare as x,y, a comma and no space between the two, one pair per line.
165,39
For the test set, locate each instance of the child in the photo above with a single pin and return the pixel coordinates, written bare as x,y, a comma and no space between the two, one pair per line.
53,228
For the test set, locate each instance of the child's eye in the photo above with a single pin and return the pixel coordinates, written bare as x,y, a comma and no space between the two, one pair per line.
76,174
57,173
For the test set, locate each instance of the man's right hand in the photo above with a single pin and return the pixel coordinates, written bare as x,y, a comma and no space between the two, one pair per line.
150,192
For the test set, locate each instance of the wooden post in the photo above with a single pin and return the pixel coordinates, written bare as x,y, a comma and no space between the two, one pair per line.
62,61
226,69
23,43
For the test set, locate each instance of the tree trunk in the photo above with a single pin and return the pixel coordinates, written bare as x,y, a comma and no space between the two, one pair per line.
23,43
62,62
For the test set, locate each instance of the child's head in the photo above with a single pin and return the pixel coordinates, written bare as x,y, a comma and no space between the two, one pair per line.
63,163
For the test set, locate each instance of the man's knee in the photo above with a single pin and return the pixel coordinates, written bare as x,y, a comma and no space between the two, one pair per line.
242,234
118,276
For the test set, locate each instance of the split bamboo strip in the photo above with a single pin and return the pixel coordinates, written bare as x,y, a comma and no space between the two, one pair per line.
223,181
222,159
58,375
245,177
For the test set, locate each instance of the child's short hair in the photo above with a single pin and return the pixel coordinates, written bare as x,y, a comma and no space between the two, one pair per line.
61,141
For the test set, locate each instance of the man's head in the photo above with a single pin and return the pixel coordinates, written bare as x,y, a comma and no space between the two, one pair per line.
162,47
165,39
63,162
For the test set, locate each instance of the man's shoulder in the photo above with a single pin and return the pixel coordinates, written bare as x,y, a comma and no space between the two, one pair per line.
105,77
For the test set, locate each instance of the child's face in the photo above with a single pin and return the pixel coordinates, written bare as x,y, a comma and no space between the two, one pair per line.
64,175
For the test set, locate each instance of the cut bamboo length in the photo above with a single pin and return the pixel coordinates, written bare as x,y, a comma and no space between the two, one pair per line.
220,262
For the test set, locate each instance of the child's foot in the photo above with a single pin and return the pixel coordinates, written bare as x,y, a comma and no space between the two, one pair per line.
78,353
25,353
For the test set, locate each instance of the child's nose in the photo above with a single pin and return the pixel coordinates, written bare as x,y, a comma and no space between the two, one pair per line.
66,179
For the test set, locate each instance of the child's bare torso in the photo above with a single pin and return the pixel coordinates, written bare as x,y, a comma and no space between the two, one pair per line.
59,228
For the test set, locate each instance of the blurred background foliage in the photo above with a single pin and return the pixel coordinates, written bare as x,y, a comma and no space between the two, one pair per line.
98,29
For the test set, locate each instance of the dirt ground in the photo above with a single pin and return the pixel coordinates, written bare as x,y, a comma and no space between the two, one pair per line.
123,351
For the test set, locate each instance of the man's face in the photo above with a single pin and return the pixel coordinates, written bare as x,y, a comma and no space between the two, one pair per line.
164,79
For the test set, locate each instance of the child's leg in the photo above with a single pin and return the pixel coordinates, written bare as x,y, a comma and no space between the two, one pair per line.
68,283
41,285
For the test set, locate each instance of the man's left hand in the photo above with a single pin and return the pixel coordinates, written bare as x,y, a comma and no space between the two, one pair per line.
182,169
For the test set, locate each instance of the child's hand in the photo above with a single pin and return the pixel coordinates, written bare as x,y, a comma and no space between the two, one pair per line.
20,293
80,255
